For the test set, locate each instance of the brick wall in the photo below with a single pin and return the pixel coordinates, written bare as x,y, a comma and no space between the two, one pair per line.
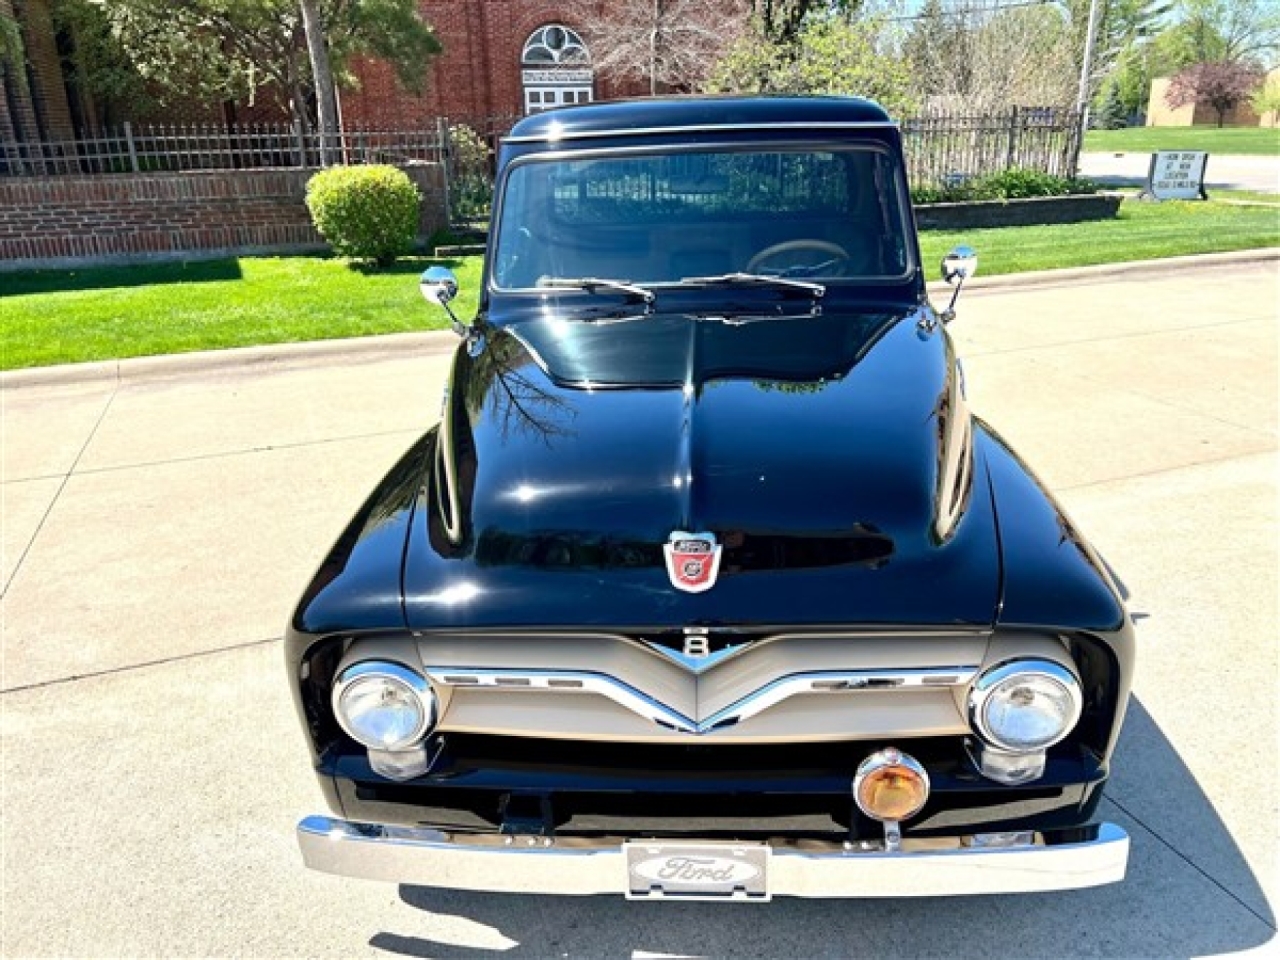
124,217
478,72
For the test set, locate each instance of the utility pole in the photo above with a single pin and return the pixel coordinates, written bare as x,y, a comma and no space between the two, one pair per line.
1086,77
1086,65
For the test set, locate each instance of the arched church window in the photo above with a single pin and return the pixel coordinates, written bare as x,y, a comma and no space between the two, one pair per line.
556,69
554,44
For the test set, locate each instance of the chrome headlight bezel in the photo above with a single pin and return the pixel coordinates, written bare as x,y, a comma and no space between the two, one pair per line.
993,681
411,684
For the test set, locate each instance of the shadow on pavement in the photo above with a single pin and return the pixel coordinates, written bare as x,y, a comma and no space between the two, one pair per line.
106,278
1198,899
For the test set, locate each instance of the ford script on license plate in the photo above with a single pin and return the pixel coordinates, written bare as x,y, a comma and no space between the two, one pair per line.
658,869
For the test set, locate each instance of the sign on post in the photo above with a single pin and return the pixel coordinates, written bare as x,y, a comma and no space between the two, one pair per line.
1176,175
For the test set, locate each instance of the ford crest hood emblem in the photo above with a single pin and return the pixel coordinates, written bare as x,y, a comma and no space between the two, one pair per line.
693,560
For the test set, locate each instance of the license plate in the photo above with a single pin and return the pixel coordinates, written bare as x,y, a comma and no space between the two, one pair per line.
658,870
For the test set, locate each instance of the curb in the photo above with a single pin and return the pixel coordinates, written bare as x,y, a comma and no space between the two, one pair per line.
236,360
265,359
1110,271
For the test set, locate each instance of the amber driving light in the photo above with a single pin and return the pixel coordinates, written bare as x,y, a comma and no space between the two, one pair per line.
890,786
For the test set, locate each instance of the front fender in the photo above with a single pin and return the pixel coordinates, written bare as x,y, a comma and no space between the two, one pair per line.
1053,581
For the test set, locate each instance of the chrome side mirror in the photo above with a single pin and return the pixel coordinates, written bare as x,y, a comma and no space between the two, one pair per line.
961,263
439,286
957,267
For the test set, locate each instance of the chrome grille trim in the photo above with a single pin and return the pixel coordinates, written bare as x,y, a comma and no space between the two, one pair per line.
756,702
834,682
559,681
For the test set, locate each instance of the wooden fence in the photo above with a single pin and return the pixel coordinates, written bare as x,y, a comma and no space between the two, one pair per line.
945,148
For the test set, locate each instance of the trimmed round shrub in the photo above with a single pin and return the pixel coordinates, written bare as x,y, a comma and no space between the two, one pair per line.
366,213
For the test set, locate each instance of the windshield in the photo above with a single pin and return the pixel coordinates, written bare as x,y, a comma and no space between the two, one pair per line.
827,214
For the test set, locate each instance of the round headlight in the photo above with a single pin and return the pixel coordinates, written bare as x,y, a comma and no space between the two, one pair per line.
385,706
1026,705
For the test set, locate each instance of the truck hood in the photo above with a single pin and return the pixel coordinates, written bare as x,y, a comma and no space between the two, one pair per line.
830,454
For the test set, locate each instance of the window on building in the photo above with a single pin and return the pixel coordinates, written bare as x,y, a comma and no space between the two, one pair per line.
556,69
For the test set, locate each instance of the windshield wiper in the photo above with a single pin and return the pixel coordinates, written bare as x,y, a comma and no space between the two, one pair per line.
816,290
591,284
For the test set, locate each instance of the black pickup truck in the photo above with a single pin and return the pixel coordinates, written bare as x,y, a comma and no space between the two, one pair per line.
708,584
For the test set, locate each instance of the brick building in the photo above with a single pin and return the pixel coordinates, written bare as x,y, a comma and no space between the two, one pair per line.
501,58
1160,114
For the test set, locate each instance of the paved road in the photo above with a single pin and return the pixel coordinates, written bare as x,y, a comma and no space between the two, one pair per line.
157,529
1221,173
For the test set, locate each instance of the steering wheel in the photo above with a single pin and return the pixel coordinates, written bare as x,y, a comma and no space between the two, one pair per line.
833,250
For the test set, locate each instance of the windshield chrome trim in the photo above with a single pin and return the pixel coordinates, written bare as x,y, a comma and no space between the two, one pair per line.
629,133
756,702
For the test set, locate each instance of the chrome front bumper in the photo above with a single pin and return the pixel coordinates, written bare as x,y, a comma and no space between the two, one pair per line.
925,867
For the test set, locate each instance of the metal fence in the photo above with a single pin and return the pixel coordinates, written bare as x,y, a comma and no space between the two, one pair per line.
937,145
171,148
946,148
940,149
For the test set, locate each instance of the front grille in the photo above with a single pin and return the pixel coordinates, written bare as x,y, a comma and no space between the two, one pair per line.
726,686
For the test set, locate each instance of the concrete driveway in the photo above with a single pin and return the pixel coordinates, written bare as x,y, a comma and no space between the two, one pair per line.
160,517
1222,172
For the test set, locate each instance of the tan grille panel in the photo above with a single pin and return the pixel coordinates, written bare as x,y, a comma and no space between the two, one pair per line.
801,687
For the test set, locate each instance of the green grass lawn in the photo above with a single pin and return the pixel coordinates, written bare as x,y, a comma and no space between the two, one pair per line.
1258,141
1142,231
61,316
1249,196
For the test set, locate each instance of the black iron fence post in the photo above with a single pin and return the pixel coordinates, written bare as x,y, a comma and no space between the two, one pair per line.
133,148
442,135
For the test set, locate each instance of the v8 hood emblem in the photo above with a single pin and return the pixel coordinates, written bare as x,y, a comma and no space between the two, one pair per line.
693,560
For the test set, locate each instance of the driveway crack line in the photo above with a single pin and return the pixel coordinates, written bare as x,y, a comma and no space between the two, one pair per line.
1147,474
66,477
1189,862
248,451
130,667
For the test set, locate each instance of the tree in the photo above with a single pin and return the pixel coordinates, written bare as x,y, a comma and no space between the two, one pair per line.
101,69
831,54
1229,30
937,50
780,20
1124,31
668,44
13,56
979,59
1222,85
217,50
1266,100
322,76
1111,113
